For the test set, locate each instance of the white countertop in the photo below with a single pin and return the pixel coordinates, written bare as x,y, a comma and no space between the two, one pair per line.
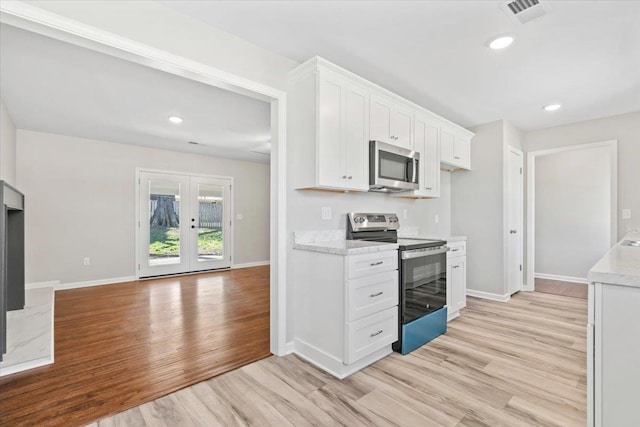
620,266
345,247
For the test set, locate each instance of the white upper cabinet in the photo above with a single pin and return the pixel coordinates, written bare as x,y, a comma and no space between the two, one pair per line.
390,121
330,133
332,115
426,136
455,148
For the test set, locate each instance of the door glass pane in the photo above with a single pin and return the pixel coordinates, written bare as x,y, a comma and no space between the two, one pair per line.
164,223
210,209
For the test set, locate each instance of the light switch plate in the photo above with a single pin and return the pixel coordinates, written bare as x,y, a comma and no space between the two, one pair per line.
326,212
626,213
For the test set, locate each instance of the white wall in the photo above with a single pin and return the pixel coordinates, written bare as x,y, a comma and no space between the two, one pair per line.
80,202
179,34
624,128
477,209
7,147
572,211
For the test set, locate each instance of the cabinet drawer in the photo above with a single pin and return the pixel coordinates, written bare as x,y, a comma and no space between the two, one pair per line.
371,294
370,334
376,262
457,249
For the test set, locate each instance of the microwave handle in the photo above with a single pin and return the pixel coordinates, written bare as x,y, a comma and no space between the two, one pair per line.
414,176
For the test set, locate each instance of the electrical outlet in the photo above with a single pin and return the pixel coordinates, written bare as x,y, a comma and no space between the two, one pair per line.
436,218
626,213
86,261
405,214
326,212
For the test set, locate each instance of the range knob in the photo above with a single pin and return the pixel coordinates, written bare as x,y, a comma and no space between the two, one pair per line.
359,219
393,219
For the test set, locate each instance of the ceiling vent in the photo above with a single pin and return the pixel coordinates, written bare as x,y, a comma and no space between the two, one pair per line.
524,11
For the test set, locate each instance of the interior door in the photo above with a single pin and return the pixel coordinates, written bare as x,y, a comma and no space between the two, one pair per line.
184,224
163,237
209,223
514,220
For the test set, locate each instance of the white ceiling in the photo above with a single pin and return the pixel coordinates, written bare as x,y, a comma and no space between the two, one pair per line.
583,54
52,86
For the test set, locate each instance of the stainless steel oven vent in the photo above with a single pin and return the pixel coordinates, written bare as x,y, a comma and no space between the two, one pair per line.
524,11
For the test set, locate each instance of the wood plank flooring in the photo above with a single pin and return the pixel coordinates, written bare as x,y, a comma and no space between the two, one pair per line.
557,287
121,345
521,363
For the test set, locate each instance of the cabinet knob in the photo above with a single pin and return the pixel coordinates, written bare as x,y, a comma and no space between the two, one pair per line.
457,158
513,231
349,177
344,176
427,188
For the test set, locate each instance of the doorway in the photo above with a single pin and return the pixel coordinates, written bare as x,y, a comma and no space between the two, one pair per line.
184,223
571,210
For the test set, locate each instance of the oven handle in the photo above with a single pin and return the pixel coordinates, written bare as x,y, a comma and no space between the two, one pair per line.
419,253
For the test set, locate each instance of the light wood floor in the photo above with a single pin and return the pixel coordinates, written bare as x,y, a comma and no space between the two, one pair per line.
520,363
557,287
121,345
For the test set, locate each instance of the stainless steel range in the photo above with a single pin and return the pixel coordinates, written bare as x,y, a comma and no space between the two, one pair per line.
422,267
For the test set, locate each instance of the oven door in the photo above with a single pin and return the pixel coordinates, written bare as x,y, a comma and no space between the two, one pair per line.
423,276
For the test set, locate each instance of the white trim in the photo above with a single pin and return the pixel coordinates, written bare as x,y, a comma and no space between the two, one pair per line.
561,278
31,364
289,347
37,20
531,189
89,283
333,365
37,285
249,264
488,295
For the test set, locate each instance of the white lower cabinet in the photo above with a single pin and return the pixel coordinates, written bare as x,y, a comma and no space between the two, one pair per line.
346,308
613,355
456,278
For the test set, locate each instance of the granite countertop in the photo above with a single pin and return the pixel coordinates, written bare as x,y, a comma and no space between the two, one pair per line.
620,266
345,247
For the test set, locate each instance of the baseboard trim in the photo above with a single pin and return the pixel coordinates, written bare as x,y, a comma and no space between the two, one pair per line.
14,369
561,278
89,283
250,264
38,285
289,348
488,295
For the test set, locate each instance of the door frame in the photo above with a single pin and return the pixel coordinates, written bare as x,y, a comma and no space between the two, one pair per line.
505,231
138,213
531,192
40,21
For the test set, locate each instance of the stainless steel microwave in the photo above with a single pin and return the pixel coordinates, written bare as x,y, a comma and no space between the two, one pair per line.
392,169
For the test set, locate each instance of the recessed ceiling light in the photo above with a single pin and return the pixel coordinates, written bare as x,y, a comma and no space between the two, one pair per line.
552,107
500,42
175,120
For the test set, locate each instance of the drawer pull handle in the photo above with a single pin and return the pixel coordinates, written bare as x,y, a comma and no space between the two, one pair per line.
455,266
377,294
375,334
455,250
373,264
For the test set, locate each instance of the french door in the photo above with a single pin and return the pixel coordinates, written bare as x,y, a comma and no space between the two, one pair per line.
184,223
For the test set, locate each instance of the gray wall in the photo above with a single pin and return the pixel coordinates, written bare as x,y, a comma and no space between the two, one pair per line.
80,199
477,209
573,219
626,129
7,146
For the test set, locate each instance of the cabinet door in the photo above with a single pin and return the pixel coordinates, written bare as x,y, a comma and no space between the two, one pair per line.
356,138
447,143
402,128
456,285
461,151
330,164
380,114
430,158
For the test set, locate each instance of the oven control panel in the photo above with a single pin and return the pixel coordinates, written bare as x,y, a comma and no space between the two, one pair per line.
370,221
